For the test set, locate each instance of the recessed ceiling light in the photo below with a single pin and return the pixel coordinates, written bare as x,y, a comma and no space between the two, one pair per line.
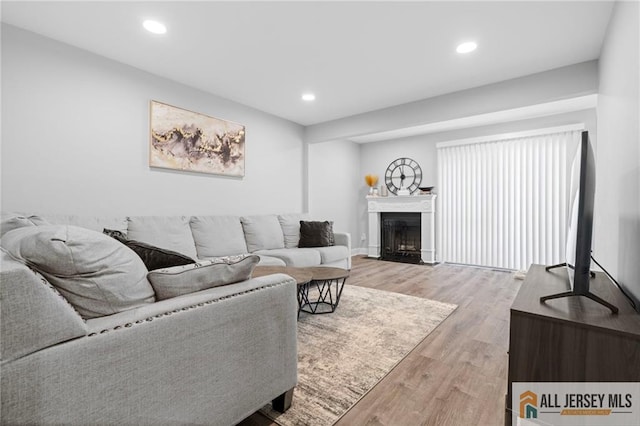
467,47
308,97
154,27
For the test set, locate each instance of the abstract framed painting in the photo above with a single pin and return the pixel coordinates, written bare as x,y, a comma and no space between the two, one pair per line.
190,141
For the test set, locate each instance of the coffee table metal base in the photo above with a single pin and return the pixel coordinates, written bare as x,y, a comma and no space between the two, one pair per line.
320,296
319,288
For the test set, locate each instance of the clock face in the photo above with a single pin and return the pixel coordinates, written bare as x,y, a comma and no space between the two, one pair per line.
403,173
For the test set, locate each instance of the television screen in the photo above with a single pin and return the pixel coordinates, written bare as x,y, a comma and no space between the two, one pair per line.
580,221
580,225
572,220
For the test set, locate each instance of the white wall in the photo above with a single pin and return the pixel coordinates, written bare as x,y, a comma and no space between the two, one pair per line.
75,134
335,185
617,204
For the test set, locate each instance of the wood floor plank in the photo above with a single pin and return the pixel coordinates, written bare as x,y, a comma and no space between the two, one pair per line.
457,375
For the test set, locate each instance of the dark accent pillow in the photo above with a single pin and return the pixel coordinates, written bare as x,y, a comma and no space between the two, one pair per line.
316,234
153,257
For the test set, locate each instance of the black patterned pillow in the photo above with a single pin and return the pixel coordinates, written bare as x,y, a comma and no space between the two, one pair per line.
114,233
153,257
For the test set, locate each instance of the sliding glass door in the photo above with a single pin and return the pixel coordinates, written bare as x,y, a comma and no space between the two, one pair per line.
503,199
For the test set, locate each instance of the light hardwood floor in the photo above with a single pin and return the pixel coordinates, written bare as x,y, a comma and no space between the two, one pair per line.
458,374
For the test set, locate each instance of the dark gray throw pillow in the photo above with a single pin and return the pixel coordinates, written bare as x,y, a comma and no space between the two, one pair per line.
316,234
153,257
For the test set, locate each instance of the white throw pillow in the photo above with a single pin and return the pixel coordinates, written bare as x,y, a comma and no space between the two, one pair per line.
95,223
179,280
98,275
11,221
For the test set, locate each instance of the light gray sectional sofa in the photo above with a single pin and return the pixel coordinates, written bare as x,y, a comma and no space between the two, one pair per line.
272,237
210,357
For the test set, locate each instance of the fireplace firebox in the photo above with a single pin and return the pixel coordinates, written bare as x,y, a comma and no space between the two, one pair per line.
400,237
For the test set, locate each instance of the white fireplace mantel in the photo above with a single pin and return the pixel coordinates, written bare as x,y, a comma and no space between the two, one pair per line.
423,204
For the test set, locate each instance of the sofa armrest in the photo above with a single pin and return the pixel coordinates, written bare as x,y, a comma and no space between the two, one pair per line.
33,315
344,239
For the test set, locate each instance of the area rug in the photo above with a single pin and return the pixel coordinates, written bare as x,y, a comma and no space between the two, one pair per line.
343,355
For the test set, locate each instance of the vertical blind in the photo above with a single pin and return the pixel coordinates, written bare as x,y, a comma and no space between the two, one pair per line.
503,200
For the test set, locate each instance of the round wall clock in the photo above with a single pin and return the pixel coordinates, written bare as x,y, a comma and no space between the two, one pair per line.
403,176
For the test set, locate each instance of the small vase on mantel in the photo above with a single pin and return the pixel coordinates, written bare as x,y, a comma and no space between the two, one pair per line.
372,181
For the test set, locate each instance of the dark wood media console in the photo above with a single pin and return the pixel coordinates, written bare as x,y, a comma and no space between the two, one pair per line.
573,339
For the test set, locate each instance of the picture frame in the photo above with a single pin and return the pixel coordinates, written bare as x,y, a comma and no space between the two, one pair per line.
185,140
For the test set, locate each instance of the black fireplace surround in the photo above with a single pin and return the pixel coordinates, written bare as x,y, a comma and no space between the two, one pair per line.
401,237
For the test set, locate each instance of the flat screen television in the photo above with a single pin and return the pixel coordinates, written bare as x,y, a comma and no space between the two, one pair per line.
580,225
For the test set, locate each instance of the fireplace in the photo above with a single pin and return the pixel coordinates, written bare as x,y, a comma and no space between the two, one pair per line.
400,237
420,208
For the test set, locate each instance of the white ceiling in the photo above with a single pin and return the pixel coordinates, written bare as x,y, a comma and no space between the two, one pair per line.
355,56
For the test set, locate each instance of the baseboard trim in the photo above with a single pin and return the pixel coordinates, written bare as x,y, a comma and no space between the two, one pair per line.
358,251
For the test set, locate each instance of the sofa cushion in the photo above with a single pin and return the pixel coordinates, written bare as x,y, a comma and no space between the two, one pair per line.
216,236
290,224
299,257
95,273
333,253
270,261
179,280
11,221
169,232
262,232
316,234
153,257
